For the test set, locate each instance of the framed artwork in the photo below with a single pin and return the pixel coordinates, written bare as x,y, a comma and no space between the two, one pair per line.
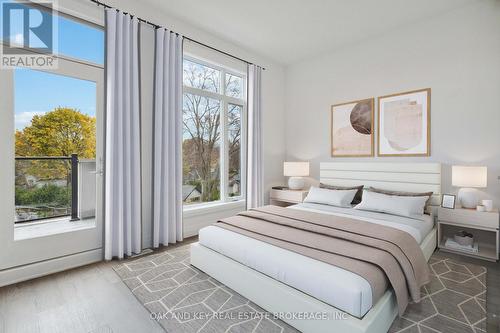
448,201
352,128
404,124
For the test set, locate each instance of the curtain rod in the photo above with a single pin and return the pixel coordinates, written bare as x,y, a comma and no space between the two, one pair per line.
156,26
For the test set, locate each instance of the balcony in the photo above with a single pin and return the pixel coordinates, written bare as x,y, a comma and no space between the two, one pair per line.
54,188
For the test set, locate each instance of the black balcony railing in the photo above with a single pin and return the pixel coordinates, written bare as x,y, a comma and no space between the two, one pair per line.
46,187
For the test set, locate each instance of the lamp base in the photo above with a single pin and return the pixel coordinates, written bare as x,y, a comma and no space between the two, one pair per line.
468,197
296,183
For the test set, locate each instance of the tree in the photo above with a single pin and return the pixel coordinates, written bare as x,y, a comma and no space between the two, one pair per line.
234,141
61,132
201,117
201,150
58,133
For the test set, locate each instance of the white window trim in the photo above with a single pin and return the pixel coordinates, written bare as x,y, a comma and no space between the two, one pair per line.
211,207
29,230
224,158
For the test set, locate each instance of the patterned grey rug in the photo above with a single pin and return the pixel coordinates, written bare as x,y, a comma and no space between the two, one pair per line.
454,301
184,299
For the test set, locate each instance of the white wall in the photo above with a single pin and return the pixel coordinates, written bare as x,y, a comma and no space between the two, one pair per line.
273,105
457,54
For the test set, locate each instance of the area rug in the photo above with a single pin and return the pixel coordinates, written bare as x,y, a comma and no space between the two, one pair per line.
184,299
454,301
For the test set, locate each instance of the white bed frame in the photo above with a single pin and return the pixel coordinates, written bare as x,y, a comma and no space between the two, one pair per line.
277,297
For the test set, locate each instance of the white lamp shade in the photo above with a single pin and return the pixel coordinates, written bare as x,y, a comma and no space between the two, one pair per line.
296,169
469,176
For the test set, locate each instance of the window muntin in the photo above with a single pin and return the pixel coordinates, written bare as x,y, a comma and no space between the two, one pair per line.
214,115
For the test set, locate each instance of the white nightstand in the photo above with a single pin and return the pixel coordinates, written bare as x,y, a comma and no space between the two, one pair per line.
483,225
286,197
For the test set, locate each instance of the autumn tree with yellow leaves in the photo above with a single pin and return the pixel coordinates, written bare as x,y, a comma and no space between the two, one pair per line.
61,132
58,133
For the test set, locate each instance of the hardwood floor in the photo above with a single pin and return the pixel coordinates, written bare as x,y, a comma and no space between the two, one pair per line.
86,299
93,299
89,299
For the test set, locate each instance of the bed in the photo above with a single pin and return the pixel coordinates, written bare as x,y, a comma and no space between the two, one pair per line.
283,281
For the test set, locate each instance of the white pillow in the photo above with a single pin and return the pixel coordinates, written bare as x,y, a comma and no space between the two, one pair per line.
393,204
339,198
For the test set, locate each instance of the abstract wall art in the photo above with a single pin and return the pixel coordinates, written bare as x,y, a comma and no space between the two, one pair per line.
404,124
352,128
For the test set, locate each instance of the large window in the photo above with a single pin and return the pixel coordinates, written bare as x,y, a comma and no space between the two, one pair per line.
213,113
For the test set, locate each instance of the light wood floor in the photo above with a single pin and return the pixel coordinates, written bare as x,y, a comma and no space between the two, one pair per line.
93,299
87,299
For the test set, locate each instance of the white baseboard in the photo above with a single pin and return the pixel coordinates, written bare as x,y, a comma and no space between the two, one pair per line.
31,271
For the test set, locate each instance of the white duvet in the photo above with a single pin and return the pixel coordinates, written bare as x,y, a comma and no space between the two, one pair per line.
342,289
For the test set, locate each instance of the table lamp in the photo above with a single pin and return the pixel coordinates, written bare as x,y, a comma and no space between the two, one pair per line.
469,178
296,170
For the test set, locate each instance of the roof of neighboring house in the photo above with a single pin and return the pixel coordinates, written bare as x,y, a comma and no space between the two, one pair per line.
188,190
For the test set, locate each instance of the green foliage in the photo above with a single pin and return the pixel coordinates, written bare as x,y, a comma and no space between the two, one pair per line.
60,132
51,195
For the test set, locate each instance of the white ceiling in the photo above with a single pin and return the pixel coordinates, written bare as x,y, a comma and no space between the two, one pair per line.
290,30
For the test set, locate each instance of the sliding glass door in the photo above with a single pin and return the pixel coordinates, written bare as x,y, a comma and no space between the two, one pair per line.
51,122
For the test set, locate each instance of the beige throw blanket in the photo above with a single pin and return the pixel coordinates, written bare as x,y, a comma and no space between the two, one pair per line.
375,252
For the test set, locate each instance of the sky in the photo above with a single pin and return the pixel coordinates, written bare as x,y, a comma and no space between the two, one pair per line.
38,92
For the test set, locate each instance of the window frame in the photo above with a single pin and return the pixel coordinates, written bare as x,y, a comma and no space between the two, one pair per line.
223,157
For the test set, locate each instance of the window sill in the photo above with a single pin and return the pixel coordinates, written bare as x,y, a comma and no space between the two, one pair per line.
50,227
202,209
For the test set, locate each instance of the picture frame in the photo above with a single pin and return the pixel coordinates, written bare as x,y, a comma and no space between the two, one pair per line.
352,128
448,201
404,124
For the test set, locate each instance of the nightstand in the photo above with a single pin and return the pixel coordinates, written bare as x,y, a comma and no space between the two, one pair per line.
483,225
286,197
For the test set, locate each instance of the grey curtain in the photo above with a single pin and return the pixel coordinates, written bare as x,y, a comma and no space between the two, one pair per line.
122,212
167,165
255,171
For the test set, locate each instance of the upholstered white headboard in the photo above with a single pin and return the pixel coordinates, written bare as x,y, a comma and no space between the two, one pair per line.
412,177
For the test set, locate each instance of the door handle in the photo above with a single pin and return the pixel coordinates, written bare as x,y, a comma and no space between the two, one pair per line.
99,172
